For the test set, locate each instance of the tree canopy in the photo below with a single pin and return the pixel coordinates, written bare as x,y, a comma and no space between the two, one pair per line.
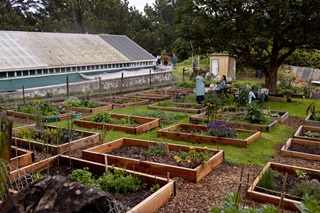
262,33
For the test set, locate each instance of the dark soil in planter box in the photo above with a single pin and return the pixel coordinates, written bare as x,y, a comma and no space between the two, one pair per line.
305,149
136,153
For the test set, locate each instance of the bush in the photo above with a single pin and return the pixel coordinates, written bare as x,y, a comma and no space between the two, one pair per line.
102,116
254,115
221,129
307,187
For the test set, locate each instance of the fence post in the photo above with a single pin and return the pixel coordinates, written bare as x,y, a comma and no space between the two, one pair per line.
23,96
67,80
121,83
149,79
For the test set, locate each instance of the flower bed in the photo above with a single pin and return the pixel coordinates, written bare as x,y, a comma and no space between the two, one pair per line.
201,118
144,123
20,157
274,197
305,149
174,132
180,107
122,102
98,154
84,138
308,133
149,204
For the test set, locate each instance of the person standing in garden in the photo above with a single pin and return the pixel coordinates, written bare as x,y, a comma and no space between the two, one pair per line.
251,95
174,60
200,87
165,60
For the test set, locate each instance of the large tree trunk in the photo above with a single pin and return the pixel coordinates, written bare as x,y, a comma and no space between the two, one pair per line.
271,78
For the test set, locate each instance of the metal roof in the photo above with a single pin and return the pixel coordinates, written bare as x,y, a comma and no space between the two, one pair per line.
23,50
127,47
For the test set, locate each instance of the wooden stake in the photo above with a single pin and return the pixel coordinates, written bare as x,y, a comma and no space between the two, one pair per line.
281,203
239,187
106,162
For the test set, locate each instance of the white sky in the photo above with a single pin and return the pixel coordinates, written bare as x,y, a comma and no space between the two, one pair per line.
140,3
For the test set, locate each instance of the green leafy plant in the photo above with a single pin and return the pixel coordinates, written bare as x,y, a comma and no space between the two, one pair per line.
230,205
187,84
315,115
254,115
311,134
120,182
309,204
154,187
85,177
267,180
37,176
213,102
102,116
192,156
157,149
307,187
302,174
165,103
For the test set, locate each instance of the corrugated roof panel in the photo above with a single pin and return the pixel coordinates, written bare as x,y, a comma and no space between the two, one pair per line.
127,47
15,54
72,48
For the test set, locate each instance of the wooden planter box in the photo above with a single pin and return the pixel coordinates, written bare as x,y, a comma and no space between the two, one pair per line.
170,132
54,118
87,139
274,199
150,204
152,98
283,115
116,105
97,154
201,118
23,158
285,150
179,107
103,107
298,133
146,124
309,122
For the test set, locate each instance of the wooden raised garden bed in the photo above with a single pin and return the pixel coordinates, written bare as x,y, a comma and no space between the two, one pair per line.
87,138
149,204
98,154
122,102
176,132
21,157
309,122
180,107
201,118
305,149
54,118
283,115
103,107
151,97
302,129
260,195
145,124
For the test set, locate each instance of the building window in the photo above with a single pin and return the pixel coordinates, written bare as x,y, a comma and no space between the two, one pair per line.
25,73
10,74
18,73
32,72
51,71
68,69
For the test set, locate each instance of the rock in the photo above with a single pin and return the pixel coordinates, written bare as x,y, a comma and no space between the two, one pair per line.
59,194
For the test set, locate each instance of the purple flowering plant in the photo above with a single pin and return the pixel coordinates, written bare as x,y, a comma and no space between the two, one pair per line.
221,129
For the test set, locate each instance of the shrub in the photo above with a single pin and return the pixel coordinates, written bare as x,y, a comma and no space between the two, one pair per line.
102,116
186,84
221,129
254,115
307,187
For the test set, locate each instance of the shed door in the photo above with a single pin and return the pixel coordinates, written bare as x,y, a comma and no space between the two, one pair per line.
214,67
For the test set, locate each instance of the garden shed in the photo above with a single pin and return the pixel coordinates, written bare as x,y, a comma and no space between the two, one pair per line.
223,64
